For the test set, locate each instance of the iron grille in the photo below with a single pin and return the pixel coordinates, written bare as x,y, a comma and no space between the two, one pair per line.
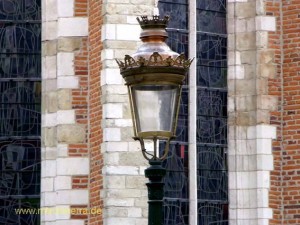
212,176
20,110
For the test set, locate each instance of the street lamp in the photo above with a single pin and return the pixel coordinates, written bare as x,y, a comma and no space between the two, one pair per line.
154,76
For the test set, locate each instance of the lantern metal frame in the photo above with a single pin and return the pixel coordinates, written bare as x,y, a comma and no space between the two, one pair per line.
154,63
157,69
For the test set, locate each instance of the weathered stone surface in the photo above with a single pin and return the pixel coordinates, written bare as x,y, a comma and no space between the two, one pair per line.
246,118
49,48
69,44
126,133
267,70
248,57
132,159
71,133
51,102
266,56
118,44
64,99
49,137
246,41
135,181
49,85
245,9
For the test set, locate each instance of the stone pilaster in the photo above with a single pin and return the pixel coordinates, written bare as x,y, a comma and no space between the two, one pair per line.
250,159
124,193
62,36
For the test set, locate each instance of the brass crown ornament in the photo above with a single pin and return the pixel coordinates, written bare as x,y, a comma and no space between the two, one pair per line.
154,55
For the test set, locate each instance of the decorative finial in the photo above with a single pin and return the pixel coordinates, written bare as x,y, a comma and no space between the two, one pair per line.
155,22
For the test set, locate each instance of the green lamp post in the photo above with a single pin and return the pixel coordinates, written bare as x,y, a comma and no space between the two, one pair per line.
154,76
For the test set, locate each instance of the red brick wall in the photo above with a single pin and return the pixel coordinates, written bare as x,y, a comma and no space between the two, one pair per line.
285,179
95,113
273,8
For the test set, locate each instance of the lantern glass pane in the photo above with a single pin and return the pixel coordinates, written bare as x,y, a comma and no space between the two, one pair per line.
155,107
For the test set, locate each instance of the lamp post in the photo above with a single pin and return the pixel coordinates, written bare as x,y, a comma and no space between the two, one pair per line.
154,76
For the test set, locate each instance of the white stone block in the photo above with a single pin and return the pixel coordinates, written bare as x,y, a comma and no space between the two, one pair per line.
111,182
250,24
50,199
263,179
128,32
62,212
115,89
111,159
116,146
120,170
66,117
134,212
246,180
124,202
108,32
240,25
72,27
265,162
49,67
262,199
62,150
68,82
265,131
231,104
111,134
63,183
65,64
123,122
107,54
134,146
73,166
265,23
236,72
246,213
48,168
65,8
49,30
47,184
232,183
49,215
112,111
262,39
50,11
241,147
49,120
72,197
264,146
123,221
240,132
245,198
142,170
111,76
264,213
234,58
251,132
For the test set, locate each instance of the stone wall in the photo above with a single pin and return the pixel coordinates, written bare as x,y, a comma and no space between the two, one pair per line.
250,65
124,192
65,154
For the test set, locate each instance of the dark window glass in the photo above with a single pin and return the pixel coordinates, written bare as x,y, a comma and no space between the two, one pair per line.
212,175
20,110
212,178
